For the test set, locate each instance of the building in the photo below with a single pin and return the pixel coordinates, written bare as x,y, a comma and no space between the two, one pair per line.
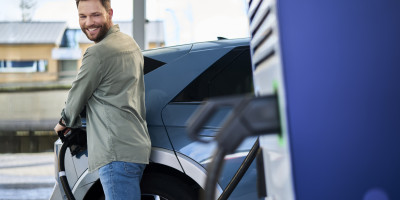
50,51
25,50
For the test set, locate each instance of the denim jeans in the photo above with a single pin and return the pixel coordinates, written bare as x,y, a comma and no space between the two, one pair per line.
121,180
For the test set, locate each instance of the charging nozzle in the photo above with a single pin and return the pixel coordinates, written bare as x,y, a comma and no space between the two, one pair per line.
250,116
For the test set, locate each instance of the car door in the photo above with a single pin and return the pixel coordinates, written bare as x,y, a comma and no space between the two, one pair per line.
229,75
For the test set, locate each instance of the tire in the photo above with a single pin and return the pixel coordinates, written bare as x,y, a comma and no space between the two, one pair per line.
166,187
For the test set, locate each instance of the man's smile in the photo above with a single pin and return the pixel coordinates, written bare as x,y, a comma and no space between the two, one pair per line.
93,31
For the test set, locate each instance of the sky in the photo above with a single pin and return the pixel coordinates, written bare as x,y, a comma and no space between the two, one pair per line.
185,21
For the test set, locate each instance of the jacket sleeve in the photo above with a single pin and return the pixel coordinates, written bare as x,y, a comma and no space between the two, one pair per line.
88,79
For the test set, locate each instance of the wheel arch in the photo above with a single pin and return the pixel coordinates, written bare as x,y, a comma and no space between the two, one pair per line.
95,191
166,162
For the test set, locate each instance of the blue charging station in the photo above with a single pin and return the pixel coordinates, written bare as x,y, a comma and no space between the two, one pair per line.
340,72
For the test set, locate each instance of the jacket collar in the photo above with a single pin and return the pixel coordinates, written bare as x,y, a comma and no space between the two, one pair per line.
113,29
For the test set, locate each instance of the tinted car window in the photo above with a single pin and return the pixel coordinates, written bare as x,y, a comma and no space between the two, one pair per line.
230,75
151,64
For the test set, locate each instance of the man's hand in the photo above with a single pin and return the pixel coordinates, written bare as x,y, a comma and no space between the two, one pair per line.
61,128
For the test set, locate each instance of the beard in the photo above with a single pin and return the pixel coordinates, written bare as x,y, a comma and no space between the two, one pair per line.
100,35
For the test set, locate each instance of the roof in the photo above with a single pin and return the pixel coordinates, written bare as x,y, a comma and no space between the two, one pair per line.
52,32
154,31
32,32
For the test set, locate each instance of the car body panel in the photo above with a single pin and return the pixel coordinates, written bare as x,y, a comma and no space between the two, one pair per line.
84,183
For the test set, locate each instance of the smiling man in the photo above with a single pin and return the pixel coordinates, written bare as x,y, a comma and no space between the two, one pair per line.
95,19
110,84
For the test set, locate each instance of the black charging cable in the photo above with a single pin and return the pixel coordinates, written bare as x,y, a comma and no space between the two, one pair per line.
77,142
61,164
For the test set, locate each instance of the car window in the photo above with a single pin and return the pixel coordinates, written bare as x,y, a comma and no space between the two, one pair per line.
230,75
151,64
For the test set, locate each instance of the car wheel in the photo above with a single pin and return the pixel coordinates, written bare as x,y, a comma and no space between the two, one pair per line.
166,187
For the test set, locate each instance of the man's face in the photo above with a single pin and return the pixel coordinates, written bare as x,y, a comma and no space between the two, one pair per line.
94,20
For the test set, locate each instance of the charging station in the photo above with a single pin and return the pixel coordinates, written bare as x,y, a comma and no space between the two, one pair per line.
335,68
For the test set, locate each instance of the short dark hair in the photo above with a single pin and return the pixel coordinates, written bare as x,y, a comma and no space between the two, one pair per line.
106,3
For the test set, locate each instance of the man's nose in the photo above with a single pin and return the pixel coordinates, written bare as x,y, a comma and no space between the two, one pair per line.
89,21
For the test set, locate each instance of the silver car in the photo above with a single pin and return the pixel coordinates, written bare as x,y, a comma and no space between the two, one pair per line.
178,79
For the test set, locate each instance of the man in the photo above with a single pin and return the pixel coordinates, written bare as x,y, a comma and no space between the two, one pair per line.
110,84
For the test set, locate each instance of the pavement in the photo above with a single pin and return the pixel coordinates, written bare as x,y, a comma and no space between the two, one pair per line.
26,176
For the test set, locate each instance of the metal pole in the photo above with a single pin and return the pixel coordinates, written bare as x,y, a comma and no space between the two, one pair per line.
139,21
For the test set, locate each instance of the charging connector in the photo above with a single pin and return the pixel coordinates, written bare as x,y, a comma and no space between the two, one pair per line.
251,116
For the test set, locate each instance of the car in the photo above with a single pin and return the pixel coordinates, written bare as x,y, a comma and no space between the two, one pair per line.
177,80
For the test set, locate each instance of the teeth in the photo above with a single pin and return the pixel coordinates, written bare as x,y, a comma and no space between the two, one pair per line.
92,29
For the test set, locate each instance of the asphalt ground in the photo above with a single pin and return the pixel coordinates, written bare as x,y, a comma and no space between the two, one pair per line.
26,176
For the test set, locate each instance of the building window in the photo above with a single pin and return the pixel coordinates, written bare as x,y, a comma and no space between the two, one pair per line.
71,38
27,66
67,68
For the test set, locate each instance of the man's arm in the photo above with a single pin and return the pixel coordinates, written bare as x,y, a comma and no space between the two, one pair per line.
88,79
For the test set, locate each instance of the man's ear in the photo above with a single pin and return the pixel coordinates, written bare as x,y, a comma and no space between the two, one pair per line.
110,13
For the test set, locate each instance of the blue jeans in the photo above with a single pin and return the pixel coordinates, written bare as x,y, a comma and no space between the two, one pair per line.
121,180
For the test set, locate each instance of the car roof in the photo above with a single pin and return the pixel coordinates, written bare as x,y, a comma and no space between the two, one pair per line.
224,43
171,53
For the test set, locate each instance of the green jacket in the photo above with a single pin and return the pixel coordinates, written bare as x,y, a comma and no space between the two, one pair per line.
110,83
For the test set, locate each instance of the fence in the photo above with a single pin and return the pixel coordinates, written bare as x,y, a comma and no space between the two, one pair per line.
27,136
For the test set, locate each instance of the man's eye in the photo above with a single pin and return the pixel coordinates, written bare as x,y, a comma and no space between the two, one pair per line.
82,17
